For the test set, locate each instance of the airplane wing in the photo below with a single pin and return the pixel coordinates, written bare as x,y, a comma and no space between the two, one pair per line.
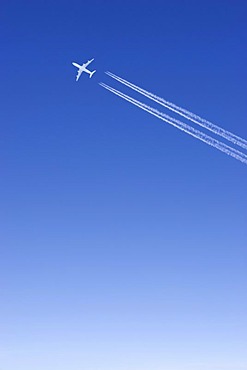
79,73
88,62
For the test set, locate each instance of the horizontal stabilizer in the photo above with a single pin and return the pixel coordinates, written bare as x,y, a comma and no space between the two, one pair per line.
91,73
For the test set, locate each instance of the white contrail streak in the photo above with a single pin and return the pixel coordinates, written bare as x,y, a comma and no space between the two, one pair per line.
182,126
184,113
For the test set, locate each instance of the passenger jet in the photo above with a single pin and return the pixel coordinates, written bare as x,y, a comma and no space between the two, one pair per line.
83,68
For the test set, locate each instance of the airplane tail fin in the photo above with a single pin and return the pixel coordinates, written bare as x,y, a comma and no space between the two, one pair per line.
91,74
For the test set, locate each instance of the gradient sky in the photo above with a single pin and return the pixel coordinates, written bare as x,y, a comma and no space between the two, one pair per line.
123,240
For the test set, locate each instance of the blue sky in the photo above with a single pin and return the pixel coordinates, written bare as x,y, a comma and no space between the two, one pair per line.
123,240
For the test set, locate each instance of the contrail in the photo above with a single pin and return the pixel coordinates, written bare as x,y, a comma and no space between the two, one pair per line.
182,126
185,113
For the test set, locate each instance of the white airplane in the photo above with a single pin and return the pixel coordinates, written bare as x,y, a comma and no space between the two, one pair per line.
83,68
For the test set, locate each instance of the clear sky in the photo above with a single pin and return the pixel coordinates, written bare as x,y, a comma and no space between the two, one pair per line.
123,240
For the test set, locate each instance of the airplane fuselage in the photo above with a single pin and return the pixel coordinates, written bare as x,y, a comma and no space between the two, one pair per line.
76,65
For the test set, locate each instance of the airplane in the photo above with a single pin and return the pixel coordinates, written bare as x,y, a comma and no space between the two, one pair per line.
83,68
